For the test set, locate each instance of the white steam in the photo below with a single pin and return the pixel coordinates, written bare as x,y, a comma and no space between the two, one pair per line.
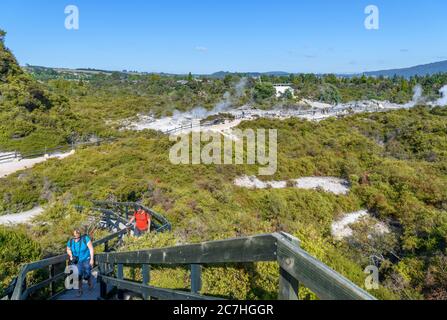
223,105
441,102
240,87
418,98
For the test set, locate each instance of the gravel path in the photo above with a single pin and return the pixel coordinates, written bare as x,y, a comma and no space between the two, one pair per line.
8,168
23,217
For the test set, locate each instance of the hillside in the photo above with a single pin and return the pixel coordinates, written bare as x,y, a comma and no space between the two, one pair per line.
420,70
30,115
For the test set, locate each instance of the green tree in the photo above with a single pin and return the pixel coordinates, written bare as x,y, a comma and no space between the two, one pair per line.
264,91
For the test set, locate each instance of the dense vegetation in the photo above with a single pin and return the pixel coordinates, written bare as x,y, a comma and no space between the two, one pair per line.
396,163
401,184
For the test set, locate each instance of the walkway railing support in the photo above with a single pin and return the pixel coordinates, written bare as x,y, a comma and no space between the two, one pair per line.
120,276
145,271
51,277
288,286
196,278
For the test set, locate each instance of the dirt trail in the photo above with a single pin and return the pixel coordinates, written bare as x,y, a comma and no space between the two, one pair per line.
8,168
23,217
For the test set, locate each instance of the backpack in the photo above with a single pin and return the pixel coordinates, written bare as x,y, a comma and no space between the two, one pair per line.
81,239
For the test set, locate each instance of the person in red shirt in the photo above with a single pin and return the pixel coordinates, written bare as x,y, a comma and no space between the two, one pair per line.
142,222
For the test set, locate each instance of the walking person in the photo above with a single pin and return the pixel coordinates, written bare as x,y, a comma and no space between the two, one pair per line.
142,222
81,253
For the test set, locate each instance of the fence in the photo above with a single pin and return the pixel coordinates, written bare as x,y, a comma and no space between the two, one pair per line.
8,157
296,268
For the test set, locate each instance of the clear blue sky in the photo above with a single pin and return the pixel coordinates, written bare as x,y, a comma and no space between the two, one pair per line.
204,36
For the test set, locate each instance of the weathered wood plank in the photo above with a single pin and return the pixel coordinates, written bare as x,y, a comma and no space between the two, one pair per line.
120,276
146,273
40,285
249,249
109,237
159,293
322,280
102,284
288,286
196,278
51,273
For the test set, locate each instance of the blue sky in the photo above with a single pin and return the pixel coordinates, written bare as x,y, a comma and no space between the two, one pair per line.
204,36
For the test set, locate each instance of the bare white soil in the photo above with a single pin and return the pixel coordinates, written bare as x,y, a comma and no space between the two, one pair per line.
328,184
341,228
20,218
312,111
11,167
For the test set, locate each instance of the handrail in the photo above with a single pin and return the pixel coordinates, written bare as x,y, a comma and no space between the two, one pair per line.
190,126
123,207
8,157
296,265
17,289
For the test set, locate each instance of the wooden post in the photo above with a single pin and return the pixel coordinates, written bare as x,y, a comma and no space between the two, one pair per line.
51,276
24,285
146,272
288,286
120,276
196,278
106,246
102,284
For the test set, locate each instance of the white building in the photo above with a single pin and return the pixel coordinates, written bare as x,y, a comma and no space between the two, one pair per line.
281,89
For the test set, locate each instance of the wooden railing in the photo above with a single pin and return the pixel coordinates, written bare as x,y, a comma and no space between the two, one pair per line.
297,268
192,125
126,209
114,220
8,157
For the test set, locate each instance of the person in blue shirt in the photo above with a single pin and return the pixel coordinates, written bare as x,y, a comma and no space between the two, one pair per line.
81,253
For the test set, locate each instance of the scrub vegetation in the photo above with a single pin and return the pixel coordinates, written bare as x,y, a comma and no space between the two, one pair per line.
396,163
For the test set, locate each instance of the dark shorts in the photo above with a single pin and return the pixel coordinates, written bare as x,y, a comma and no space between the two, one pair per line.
138,233
84,270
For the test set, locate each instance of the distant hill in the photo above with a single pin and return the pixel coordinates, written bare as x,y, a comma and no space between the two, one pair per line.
421,70
222,74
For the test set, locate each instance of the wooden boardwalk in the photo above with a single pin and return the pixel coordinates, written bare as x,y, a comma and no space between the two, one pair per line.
87,293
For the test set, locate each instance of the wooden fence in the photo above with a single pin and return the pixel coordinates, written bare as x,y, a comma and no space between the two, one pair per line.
296,267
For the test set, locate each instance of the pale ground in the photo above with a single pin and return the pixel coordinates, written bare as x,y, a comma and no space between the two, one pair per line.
7,168
328,184
18,218
318,111
341,228
224,128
